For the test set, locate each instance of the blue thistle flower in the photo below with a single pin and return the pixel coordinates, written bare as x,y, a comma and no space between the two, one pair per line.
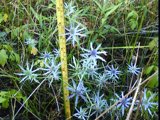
52,71
89,68
112,72
31,42
70,9
77,68
101,80
74,32
93,54
124,103
147,102
99,104
56,53
28,73
133,69
78,91
46,56
81,113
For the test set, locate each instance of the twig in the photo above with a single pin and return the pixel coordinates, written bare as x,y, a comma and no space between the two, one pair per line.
134,65
134,99
138,108
55,98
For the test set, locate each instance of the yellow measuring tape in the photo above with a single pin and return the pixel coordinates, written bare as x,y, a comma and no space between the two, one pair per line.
63,55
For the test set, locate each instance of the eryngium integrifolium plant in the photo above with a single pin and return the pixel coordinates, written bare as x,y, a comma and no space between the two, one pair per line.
78,91
28,73
51,70
93,53
112,73
101,80
75,32
99,103
69,9
89,68
30,42
76,68
124,104
81,113
133,69
149,103
46,56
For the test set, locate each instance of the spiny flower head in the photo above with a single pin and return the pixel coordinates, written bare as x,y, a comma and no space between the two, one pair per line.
70,9
46,56
52,70
77,91
112,72
133,69
93,54
100,104
56,52
77,68
81,113
31,42
28,73
148,102
125,102
74,32
89,68
101,80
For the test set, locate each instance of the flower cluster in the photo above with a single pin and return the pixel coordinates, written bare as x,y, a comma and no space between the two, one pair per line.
91,71
50,70
69,9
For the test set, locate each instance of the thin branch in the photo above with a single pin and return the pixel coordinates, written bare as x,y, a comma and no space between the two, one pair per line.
134,99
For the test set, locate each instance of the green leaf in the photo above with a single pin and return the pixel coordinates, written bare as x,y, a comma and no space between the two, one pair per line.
133,15
15,32
149,69
133,23
109,11
8,47
98,4
111,29
153,43
5,104
37,16
3,57
1,18
153,81
14,57
17,57
3,93
5,96
2,99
